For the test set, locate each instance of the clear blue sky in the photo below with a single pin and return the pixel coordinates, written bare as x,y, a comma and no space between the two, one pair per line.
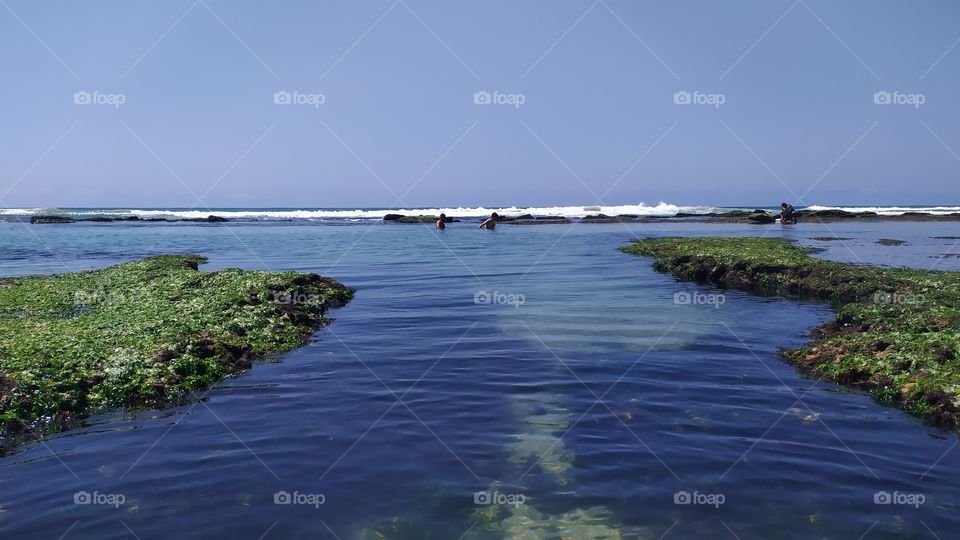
399,119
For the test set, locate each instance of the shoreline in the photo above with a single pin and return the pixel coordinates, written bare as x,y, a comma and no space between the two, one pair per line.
754,217
896,334
143,333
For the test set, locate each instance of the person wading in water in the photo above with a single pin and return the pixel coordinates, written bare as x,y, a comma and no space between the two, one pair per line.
491,222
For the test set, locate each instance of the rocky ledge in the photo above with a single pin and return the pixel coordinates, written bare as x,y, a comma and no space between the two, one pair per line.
53,220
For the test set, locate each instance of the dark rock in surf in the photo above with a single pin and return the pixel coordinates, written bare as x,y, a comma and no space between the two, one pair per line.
51,219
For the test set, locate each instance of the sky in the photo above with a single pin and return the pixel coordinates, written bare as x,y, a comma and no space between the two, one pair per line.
406,103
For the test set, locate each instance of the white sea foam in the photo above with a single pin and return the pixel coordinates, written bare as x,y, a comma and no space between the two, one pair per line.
20,211
661,209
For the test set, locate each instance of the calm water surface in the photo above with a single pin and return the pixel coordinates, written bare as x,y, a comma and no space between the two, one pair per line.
536,364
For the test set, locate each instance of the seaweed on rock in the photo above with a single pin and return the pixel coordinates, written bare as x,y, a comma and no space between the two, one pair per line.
144,332
896,333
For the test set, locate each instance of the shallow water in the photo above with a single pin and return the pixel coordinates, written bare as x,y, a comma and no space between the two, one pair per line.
588,395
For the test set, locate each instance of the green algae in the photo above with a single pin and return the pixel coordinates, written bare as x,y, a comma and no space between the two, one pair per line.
144,332
891,242
520,522
539,440
896,333
536,446
526,523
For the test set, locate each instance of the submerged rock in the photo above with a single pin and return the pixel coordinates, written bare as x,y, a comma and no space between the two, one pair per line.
891,242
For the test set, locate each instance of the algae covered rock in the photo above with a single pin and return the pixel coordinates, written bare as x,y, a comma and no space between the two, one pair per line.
897,330
144,332
761,218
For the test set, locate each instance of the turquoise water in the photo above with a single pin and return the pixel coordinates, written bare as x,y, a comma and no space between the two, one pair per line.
536,363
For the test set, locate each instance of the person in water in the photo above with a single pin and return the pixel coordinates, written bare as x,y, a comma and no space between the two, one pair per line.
787,214
491,222
442,222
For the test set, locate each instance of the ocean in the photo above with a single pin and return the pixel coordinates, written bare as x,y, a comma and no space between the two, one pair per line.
347,215
528,382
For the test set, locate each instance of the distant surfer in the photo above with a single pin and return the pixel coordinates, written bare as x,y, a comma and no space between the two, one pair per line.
442,222
787,214
491,222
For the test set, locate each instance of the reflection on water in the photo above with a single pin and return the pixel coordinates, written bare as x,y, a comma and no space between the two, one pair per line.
598,400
